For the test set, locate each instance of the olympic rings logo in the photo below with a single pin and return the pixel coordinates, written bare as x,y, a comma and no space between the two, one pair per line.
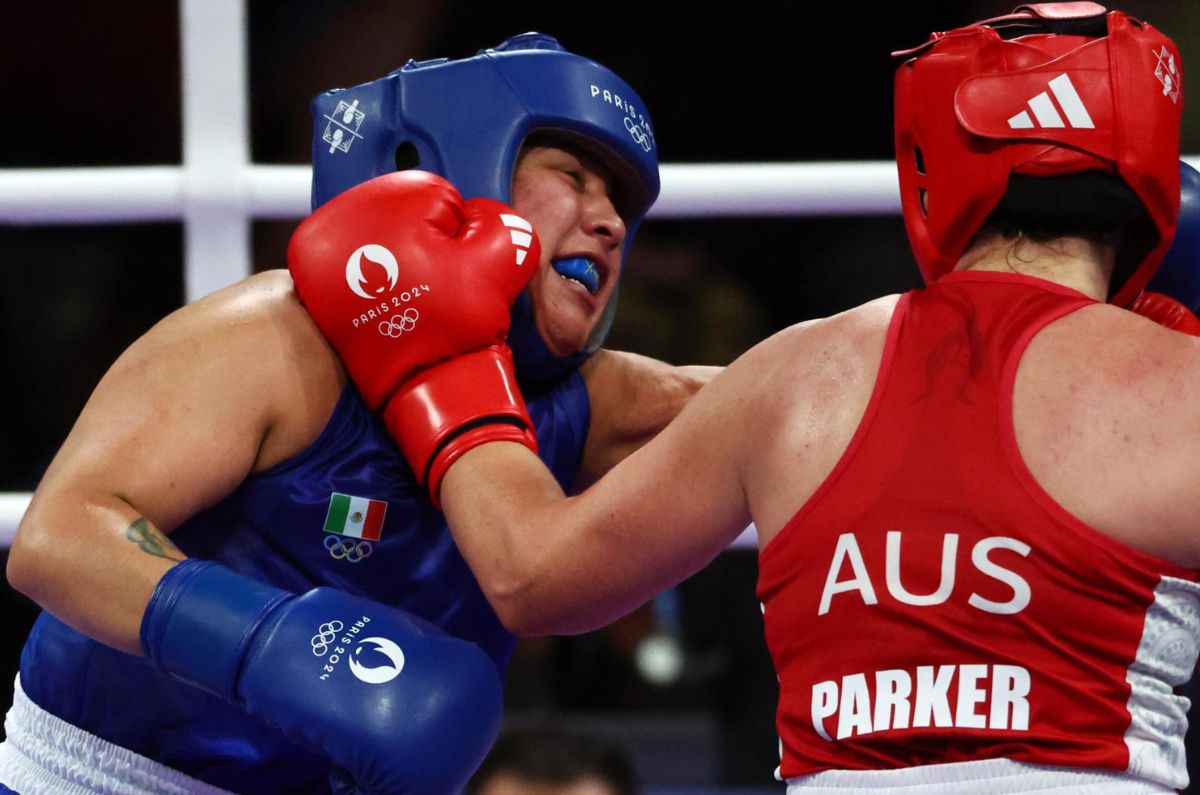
638,133
347,549
396,325
326,634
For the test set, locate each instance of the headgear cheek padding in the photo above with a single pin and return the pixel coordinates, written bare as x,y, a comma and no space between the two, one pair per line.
974,107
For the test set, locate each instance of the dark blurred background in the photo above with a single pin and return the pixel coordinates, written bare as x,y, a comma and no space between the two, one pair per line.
684,684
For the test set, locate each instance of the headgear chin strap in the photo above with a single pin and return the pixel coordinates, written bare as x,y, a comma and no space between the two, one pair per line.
1050,90
466,120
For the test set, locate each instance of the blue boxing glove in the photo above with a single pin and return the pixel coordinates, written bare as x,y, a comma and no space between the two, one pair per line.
396,704
1179,274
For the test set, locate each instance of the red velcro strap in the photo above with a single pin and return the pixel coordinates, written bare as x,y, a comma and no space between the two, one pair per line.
1067,101
468,440
476,390
1080,10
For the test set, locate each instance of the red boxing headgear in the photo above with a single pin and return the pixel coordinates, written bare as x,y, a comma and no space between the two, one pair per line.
1050,90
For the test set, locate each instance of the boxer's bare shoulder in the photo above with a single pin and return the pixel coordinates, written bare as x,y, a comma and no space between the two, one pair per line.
245,359
270,338
830,349
810,384
1104,415
261,312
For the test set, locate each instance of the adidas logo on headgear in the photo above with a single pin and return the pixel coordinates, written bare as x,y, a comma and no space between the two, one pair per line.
1047,115
521,232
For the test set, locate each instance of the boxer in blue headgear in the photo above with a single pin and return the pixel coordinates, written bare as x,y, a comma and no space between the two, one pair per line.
525,85
1172,296
244,586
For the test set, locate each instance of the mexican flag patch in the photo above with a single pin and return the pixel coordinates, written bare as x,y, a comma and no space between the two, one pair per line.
357,517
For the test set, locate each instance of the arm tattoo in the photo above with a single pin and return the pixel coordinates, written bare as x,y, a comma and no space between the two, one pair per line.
151,540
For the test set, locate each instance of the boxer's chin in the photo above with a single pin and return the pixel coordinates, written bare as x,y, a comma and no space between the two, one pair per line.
564,327
563,314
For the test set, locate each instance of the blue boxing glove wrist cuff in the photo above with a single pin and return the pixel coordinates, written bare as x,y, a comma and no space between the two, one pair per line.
199,621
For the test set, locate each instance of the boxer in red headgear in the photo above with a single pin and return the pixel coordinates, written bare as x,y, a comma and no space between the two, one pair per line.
992,111
976,502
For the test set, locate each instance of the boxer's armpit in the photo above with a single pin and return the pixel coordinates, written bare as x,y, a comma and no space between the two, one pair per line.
151,540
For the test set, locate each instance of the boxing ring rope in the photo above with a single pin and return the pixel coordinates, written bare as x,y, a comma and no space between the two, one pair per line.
218,192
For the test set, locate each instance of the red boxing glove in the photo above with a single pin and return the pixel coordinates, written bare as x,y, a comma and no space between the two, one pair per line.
1166,311
403,277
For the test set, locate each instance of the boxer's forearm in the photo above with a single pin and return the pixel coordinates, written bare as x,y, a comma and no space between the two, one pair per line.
492,498
550,564
553,564
93,563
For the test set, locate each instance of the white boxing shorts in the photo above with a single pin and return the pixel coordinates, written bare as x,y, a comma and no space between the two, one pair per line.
982,777
45,754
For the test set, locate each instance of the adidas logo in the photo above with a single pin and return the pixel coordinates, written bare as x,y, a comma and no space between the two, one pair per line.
1046,113
521,232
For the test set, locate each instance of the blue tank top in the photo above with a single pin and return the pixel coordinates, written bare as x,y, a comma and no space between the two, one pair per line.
347,513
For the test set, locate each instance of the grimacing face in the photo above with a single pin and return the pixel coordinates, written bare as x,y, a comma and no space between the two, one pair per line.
567,194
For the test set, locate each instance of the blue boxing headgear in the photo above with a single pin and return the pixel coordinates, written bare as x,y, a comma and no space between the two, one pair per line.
1179,274
467,119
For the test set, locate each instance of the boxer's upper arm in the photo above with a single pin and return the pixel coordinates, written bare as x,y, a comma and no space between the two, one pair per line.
179,419
632,399
177,422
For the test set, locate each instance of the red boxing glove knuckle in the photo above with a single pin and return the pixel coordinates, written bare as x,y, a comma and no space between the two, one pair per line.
412,287
1167,312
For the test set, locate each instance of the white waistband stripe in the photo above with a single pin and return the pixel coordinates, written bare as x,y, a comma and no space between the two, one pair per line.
983,777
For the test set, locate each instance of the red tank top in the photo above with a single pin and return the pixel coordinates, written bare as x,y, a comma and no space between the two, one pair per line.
930,603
